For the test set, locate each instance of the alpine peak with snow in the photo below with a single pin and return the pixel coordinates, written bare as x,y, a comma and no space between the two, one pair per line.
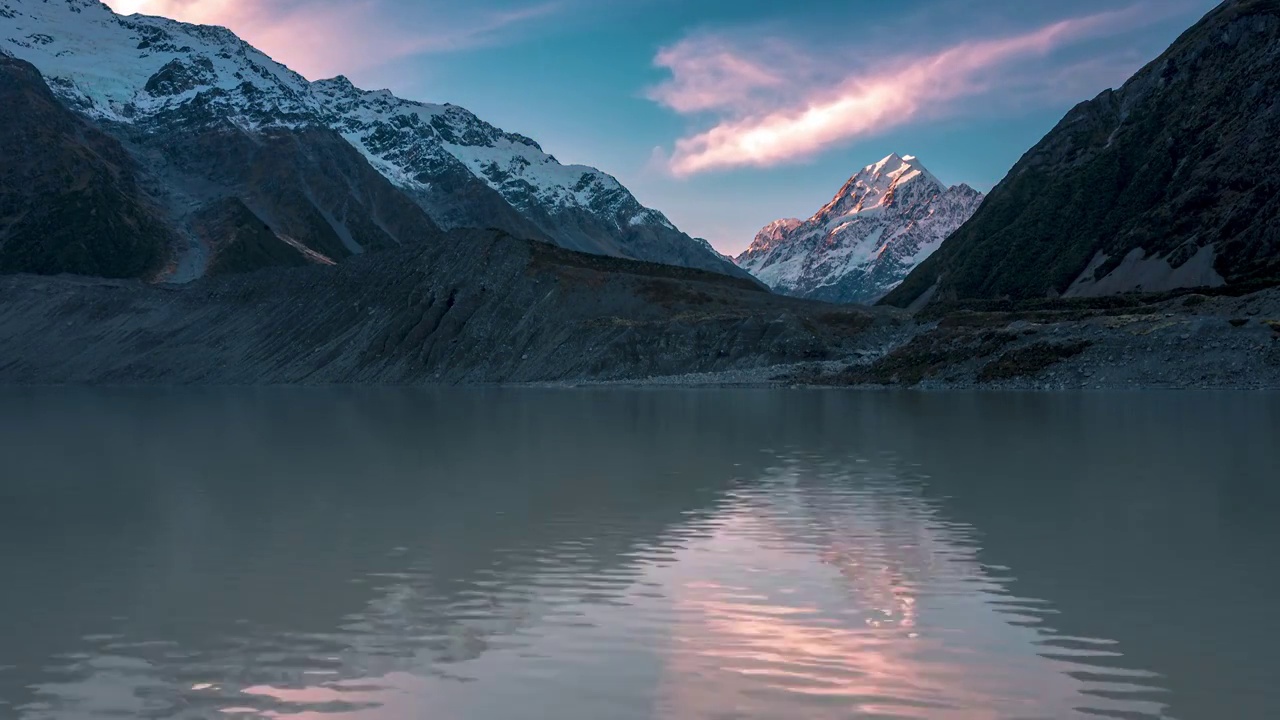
172,93
882,223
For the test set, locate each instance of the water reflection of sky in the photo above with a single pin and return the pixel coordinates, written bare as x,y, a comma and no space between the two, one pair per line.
830,591
701,578
884,611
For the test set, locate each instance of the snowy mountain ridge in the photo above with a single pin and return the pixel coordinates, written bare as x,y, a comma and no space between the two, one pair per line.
885,220
154,72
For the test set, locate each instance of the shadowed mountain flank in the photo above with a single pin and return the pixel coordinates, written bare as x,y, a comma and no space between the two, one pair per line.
70,198
1171,181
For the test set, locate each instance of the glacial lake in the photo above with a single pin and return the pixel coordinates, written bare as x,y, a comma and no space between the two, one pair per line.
614,554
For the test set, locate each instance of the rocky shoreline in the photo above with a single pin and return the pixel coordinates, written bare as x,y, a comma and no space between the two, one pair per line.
1187,341
1190,341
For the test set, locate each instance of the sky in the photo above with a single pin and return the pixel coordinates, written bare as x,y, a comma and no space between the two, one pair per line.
728,114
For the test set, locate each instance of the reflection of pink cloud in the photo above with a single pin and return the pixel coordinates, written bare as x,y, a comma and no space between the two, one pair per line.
707,75
328,37
918,631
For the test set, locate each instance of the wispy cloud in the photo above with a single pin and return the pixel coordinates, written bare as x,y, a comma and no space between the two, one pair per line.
320,38
710,74
774,104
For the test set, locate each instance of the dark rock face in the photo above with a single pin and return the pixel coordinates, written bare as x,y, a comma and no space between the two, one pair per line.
454,198
70,200
243,240
178,77
311,195
1180,165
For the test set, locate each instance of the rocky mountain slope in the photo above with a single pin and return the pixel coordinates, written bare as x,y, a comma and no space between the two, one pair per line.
308,194
175,204
884,222
70,199
480,306
1173,180
137,77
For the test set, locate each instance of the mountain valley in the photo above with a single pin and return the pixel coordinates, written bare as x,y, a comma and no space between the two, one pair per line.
177,208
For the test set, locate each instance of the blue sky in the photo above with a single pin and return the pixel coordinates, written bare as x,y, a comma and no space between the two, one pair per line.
727,114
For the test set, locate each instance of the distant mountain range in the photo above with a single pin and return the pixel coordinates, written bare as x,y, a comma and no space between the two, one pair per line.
1171,181
227,160
884,222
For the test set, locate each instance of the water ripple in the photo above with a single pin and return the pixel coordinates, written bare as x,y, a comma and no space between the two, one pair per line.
798,582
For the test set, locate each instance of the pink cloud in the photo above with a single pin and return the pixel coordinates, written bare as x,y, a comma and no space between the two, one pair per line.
715,73
329,37
815,109
710,75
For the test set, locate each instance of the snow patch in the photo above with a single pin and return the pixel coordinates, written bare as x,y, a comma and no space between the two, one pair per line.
1139,273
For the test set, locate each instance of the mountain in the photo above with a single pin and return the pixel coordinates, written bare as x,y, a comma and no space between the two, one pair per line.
62,182
886,219
157,84
1171,181
176,204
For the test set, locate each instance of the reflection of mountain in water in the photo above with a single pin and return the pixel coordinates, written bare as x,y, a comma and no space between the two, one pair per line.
626,554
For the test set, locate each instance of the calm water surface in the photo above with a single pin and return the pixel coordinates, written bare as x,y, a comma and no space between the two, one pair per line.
607,554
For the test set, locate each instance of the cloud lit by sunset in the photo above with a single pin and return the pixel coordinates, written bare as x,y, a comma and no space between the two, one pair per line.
709,75
326,38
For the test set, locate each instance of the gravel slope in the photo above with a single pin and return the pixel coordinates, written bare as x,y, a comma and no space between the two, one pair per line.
482,307
479,306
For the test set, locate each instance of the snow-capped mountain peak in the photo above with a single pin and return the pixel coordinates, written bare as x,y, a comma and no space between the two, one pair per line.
886,219
879,185
156,73
897,169
775,232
